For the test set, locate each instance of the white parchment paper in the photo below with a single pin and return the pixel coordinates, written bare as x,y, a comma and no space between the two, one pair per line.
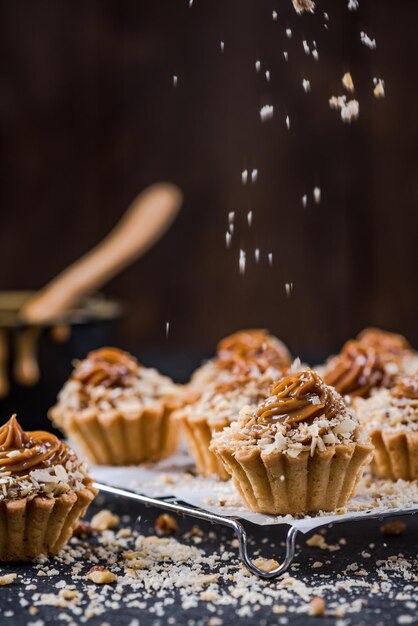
173,478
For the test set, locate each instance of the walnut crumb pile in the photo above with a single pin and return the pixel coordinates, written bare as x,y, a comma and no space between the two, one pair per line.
393,528
101,575
166,524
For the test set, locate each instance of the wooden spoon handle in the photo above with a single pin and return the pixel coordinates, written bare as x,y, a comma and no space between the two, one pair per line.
147,218
4,356
26,368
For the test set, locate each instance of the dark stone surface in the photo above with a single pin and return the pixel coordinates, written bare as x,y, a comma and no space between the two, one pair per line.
383,608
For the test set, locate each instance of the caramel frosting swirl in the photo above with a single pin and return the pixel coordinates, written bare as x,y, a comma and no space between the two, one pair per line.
108,367
246,348
406,388
298,398
388,344
22,451
357,370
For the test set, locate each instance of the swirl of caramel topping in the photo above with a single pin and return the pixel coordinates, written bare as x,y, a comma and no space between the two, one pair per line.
384,342
356,370
21,451
298,398
108,367
246,348
406,387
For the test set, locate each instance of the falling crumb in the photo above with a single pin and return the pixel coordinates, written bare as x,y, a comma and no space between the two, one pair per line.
7,579
222,46
315,55
266,565
257,66
274,16
304,201
250,218
288,288
287,122
379,89
167,329
347,82
242,262
257,255
306,84
101,575
289,33
231,217
393,528
349,109
270,258
352,5
317,194
228,238
254,175
317,607
244,177
303,5
286,55
190,3
166,524
266,112
268,76
367,41
175,80
104,520
306,47
326,16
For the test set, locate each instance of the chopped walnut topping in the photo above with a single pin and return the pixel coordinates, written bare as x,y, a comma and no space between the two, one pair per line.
393,528
317,607
7,579
104,520
166,524
101,575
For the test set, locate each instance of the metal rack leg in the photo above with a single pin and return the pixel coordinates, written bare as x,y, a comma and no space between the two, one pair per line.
232,523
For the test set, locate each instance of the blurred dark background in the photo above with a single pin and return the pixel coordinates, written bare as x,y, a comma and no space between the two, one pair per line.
89,116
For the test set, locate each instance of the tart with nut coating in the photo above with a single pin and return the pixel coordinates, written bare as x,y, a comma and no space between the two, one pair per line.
117,411
302,450
44,490
391,417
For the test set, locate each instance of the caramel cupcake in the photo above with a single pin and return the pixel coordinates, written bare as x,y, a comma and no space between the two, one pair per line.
359,369
385,342
245,366
44,490
116,411
302,450
253,348
391,417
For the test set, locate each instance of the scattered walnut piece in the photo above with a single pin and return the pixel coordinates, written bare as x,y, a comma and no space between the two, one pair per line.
303,5
317,607
267,565
101,575
83,528
316,541
166,524
347,81
7,579
393,528
104,520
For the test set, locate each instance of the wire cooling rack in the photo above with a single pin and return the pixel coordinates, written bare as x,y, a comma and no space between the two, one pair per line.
172,504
